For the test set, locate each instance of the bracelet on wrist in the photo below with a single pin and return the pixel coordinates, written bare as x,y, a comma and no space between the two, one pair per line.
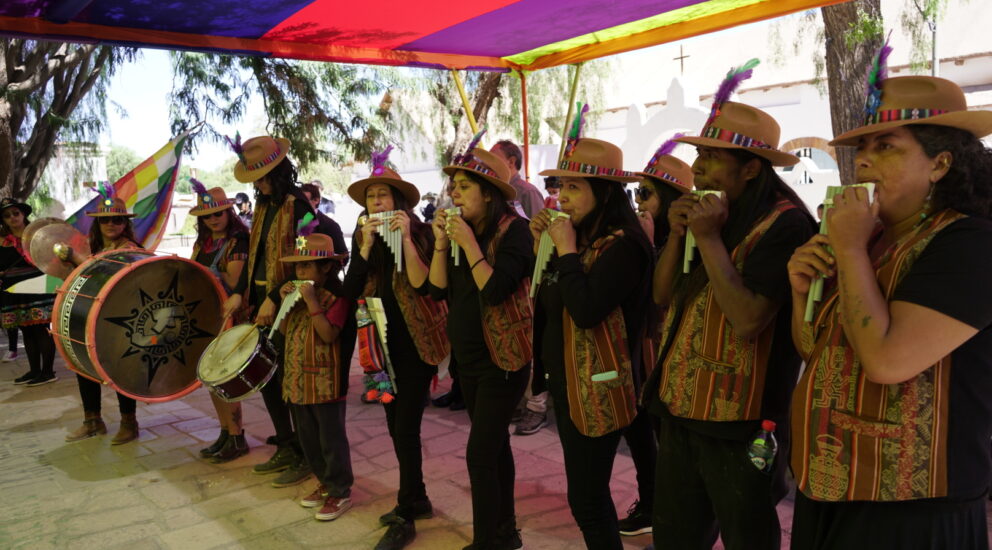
477,262
436,249
315,313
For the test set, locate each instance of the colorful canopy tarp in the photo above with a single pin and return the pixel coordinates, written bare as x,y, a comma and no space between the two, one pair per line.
477,34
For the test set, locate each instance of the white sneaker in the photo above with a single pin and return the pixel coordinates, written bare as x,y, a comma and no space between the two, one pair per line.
9,356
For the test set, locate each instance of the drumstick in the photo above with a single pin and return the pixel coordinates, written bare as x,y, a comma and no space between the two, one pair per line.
243,339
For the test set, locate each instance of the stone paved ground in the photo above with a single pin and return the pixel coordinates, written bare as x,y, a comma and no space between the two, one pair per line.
156,493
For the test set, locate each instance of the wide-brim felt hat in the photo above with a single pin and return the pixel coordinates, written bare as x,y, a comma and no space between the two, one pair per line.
110,207
313,247
8,202
592,158
382,174
669,170
214,201
486,165
740,126
909,100
259,156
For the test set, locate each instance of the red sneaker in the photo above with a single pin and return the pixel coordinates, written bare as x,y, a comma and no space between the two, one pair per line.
316,498
333,508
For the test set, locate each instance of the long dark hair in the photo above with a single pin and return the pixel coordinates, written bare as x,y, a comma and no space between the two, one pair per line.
96,237
759,197
666,196
965,187
234,226
496,208
420,232
612,212
282,178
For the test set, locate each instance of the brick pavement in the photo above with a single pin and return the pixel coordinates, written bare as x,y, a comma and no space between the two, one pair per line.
157,493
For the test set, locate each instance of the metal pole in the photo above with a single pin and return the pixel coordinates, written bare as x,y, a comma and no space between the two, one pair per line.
571,106
523,101
465,104
934,60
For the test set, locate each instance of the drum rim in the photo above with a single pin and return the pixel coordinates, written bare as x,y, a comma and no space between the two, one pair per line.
98,302
254,354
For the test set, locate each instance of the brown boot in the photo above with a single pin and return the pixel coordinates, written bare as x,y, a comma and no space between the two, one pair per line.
128,430
92,425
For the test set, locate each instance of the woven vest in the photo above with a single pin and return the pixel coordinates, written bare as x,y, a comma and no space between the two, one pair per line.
711,373
508,328
280,242
854,439
598,407
311,366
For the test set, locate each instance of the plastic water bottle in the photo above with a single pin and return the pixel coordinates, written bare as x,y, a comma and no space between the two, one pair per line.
362,315
763,447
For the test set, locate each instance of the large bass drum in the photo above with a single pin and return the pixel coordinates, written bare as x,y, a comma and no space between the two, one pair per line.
138,321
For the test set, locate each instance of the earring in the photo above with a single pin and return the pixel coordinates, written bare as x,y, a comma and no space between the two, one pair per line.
926,204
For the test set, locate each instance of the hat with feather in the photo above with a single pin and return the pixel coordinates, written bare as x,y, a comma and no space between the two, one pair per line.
383,174
311,246
208,202
665,168
109,205
484,164
590,158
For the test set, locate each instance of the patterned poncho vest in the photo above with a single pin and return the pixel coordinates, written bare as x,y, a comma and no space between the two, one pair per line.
279,242
425,318
598,407
311,366
712,373
854,439
508,328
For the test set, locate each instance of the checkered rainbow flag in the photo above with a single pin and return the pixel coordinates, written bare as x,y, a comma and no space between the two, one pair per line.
147,192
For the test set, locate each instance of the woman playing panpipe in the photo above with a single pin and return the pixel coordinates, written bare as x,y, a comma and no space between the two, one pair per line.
589,315
279,206
891,419
416,327
31,313
111,230
489,326
222,246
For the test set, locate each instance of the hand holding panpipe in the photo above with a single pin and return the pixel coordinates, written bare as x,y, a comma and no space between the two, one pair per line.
455,248
816,286
392,238
544,248
690,241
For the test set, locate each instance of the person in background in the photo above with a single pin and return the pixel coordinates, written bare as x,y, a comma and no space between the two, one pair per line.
326,224
325,205
552,186
243,204
489,327
429,209
528,197
891,419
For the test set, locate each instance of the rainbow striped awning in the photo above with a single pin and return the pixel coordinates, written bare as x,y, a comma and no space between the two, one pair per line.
478,34
147,191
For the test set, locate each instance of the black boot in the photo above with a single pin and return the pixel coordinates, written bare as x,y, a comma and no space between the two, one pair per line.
234,447
216,446
399,534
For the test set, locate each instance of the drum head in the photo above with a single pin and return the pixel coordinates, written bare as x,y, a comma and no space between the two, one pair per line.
151,323
227,354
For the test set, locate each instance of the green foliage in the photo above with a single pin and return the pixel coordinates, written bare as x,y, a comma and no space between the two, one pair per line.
918,19
325,109
120,161
867,28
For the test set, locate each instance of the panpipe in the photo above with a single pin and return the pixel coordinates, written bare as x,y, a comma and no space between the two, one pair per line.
392,238
378,313
544,248
816,287
690,241
287,304
455,249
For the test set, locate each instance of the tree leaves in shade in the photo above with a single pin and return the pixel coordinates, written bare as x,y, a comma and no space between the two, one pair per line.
327,110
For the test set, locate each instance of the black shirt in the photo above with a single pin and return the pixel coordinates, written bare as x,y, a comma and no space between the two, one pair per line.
619,277
332,229
513,262
951,277
765,273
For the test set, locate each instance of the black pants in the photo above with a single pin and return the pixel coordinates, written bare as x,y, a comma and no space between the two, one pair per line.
491,394
12,339
703,482
272,391
89,392
40,348
325,444
588,468
403,417
931,524
642,441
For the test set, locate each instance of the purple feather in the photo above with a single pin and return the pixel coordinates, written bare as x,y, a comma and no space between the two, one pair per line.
735,76
236,144
379,160
198,187
307,224
877,73
669,146
578,124
475,140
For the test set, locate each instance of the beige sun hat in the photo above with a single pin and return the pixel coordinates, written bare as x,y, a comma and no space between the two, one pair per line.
383,174
257,156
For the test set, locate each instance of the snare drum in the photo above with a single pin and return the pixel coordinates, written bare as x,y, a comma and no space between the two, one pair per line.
237,363
137,321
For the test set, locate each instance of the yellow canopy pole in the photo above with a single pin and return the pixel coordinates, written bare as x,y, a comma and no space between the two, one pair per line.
571,107
523,101
465,104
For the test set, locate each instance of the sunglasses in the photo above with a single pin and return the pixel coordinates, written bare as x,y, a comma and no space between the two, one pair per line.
116,220
643,193
217,214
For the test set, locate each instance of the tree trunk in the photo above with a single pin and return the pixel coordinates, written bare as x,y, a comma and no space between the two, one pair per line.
846,70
